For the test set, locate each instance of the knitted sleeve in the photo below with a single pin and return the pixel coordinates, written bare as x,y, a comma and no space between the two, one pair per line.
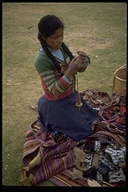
55,83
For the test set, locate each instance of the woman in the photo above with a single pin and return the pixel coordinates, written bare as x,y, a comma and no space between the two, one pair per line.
57,68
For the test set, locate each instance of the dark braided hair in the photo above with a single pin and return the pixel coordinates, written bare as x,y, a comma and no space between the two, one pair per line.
47,26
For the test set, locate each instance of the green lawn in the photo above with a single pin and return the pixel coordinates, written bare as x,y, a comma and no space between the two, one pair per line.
99,29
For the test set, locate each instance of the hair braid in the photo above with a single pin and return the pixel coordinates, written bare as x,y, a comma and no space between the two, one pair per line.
66,49
46,27
49,54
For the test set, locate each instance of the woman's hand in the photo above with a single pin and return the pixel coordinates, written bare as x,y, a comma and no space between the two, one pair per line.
85,60
82,56
74,66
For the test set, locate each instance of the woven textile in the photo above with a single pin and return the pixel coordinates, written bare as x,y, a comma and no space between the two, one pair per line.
46,157
43,157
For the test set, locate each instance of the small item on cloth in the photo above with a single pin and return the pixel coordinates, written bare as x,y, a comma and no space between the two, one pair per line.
90,173
93,183
77,174
117,176
118,154
79,158
97,145
103,169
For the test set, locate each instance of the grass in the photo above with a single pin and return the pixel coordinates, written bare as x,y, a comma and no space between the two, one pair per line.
97,28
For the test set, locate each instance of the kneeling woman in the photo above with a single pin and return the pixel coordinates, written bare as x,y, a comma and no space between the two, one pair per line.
57,67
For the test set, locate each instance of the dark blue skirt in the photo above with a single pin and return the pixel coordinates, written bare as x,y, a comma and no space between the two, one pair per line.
65,117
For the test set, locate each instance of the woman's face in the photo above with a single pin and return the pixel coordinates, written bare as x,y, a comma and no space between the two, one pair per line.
54,41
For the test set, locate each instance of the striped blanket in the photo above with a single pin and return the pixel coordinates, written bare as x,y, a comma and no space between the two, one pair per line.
66,162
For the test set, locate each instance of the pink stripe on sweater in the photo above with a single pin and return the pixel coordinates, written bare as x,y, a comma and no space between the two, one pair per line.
51,97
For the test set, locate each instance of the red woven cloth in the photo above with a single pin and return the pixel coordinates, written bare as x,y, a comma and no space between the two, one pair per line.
46,157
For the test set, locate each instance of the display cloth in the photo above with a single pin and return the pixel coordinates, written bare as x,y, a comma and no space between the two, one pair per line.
98,160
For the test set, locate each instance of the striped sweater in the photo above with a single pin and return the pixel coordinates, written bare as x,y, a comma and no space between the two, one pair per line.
55,86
